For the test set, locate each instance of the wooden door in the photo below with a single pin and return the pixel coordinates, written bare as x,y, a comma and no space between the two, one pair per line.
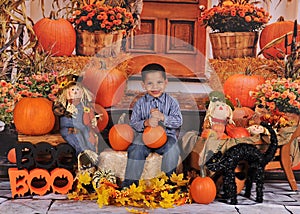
170,36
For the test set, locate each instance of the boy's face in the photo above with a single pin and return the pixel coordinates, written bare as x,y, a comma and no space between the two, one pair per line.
154,84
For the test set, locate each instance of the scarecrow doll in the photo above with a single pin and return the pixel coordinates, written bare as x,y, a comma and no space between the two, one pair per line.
218,114
78,122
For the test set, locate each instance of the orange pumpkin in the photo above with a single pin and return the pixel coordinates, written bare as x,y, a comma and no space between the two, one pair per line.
103,117
203,190
236,131
11,156
206,133
218,127
34,116
274,31
240,85
107,85
55,36
241,115
154,137
120,136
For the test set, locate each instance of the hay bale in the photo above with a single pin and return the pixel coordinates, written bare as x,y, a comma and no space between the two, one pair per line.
225,68
116,162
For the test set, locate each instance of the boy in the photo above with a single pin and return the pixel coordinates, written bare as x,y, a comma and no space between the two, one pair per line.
153,109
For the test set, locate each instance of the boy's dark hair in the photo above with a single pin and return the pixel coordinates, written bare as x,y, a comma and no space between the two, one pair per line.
153,68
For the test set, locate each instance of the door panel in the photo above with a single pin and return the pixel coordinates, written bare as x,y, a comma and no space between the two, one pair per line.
170,34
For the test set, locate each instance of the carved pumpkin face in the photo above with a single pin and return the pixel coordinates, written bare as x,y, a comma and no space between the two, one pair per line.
74,92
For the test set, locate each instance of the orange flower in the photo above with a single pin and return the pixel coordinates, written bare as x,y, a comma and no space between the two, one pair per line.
89,23
248,18
77,12
233,12
241,13
3,83
227,17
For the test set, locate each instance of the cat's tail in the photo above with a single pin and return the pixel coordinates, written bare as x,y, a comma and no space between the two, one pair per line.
269,154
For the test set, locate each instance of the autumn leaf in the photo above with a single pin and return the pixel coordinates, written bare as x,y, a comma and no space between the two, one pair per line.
103,196
167,201
178,179
84,178
136,211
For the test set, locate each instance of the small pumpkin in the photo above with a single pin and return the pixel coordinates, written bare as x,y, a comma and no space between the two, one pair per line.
274,31
11,156
120,136
203,189
154,137
103,117
236,131
210,132
240,85
107,85
218,127
56,36
206,133
34,116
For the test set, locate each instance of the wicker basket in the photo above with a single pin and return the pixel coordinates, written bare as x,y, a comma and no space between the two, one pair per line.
234,44
98,42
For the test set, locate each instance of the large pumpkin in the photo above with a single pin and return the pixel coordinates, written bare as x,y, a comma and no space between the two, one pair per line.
120,136
274,31
55,36
154,137
203,190
107,85
240,85
34,116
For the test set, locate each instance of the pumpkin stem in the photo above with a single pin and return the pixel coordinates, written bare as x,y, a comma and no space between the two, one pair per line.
238,103
202,171
248,71
280,19
52,15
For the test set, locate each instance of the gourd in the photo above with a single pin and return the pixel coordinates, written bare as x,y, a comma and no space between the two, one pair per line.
120,136
34,116
56,36
240,85
274,31
154,137
203,189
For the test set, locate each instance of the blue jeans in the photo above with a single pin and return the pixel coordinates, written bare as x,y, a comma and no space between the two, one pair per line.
137,153
79,141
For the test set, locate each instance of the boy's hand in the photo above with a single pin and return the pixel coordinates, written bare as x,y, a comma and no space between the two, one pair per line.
157,114
152,121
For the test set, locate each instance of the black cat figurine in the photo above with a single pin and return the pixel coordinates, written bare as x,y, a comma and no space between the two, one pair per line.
227,162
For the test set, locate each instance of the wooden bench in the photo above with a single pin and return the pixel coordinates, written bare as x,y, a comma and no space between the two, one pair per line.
283,160
53,139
